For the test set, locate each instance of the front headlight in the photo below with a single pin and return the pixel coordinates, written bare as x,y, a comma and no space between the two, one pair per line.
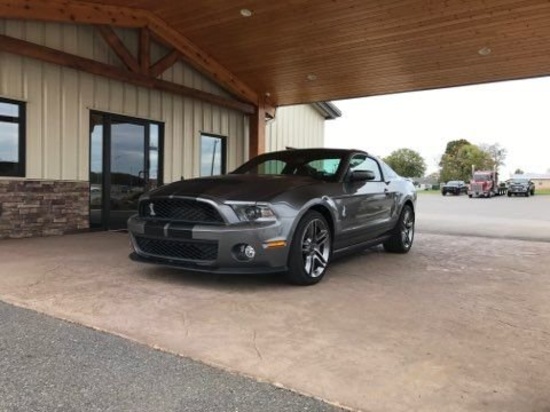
253,212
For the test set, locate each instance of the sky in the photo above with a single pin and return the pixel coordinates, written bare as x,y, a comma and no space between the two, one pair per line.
515,114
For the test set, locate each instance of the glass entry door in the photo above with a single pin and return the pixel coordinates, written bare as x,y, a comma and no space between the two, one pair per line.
124,164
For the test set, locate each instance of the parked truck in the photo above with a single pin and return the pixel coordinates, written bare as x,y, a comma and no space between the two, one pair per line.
485,184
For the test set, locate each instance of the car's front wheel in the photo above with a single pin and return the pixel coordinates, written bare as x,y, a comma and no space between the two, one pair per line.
402,237
310,250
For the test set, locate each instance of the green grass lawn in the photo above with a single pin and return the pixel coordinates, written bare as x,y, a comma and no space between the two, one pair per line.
429,192
542,191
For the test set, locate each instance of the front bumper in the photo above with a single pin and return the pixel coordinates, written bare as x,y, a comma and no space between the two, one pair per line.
518,190
225,237
452,190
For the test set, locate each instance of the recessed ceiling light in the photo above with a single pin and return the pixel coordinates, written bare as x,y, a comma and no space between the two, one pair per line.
484,51
246,12
311,77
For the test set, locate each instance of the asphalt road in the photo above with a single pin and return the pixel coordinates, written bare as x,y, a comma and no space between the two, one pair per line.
51,365
499,217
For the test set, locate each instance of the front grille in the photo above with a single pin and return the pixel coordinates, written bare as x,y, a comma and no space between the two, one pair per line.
181,210
176,249
477,187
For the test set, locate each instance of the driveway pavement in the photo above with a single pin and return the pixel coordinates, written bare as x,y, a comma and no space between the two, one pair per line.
50,365
459,324
498,217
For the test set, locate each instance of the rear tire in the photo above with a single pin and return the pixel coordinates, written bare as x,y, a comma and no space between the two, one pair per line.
402,236
310,251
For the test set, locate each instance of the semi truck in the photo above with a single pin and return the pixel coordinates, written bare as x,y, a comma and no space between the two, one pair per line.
485,183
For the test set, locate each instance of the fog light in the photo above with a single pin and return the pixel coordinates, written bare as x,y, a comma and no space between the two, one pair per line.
249,252
244,252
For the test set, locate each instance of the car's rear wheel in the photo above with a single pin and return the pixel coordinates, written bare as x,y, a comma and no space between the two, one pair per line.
402,237
310,250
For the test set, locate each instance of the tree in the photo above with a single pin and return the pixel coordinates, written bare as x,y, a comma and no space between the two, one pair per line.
406,162
519,172
458,163
454,145
496,152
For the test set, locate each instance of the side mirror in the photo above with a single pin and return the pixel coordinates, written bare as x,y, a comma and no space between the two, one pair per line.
362,176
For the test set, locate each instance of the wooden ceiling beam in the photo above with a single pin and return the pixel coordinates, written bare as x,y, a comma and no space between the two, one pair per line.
49,55
119,48
202,61
164,63
73,11
76,11
144,50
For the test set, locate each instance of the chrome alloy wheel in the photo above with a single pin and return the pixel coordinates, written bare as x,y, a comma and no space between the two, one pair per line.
315,248
407,228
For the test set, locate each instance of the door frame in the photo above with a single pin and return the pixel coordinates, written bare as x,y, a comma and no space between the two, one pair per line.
106,164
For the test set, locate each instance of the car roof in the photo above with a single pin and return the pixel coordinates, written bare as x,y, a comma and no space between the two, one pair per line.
321,150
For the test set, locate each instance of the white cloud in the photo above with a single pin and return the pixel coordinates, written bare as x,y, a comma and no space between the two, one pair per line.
514,114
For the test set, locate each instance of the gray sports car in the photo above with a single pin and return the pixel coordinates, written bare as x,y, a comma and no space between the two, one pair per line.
289,212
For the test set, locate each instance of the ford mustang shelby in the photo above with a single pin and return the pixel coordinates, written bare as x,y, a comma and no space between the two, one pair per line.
287,212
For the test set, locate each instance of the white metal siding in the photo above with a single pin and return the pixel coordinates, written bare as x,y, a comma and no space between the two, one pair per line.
297,126
59,101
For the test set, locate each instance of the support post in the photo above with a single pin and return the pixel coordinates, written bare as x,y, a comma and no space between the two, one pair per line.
256,142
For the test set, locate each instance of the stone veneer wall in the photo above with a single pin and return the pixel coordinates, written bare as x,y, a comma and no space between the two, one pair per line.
42,207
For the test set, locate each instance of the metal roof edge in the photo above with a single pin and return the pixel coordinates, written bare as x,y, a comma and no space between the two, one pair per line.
328,110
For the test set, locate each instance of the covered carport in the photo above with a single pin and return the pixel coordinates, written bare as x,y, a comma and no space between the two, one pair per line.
455,325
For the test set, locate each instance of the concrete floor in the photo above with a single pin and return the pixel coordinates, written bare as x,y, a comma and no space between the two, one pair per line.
459,324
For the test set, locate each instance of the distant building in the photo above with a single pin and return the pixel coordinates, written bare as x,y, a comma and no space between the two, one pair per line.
426,183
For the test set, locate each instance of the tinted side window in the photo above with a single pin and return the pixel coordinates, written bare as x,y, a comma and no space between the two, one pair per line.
362,162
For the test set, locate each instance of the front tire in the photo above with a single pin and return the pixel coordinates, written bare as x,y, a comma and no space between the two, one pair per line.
310,251
402,237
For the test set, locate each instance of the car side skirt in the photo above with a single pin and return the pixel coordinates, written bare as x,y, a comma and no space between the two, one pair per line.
363,245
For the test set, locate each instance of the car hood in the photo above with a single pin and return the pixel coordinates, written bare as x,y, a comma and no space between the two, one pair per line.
234,187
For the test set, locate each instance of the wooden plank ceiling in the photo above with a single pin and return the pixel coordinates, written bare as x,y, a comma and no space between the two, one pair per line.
299,51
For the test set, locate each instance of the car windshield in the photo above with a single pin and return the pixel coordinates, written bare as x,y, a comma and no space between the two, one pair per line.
519,181
454,183
318,164
481,177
